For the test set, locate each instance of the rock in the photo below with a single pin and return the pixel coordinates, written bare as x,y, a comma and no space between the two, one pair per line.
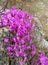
38,36
44,44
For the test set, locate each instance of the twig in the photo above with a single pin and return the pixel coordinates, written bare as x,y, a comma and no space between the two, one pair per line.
3,8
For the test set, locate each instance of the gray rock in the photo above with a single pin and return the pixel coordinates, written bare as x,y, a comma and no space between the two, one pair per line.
38,36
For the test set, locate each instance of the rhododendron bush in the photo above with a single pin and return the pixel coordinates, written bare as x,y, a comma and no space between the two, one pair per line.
19,42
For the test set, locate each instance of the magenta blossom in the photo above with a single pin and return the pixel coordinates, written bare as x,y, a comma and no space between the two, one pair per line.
43,59
20,26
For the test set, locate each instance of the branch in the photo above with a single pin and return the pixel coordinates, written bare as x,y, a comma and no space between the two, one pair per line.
3,8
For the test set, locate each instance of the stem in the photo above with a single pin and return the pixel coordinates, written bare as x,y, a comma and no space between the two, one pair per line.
4,7
9,61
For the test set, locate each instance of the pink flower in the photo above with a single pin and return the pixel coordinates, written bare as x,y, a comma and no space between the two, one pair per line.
33,50
20,28
43,59
6,40
20,62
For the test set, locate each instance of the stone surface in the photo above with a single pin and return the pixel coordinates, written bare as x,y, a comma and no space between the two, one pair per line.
38,37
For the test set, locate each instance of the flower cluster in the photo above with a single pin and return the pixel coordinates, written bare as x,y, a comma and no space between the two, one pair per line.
43,59
19,42
40,59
